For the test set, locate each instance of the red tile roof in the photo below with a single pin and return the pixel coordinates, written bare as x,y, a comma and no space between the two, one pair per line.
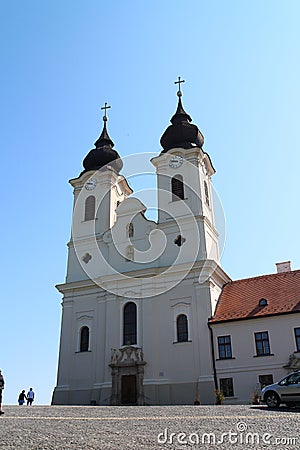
240,299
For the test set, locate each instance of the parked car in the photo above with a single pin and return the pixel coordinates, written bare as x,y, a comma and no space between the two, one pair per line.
285,391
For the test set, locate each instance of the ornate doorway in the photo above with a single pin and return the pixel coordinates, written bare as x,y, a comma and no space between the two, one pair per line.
127,372
128,390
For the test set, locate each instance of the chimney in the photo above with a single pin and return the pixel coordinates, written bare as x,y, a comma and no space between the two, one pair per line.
283,266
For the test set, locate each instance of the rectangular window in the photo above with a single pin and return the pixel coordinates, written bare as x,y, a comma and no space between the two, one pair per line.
262,343
297,338
226,386
265,380
224,346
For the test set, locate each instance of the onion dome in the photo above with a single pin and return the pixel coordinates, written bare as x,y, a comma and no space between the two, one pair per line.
182,133
103,154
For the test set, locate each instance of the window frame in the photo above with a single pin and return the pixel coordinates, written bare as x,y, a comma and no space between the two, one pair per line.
224,348
132,323
228,389
260,342
83,340
182,329
261,380
177,188
89,209
297,338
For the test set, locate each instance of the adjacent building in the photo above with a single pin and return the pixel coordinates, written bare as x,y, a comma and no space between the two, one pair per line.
256,332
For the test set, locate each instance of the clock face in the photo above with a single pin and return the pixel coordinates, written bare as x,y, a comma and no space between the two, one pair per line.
90,184
175,161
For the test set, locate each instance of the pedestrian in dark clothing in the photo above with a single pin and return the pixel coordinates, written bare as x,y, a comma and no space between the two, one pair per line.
22,398
1,389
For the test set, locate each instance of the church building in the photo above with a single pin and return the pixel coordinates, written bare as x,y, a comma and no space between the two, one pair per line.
138,293
148,315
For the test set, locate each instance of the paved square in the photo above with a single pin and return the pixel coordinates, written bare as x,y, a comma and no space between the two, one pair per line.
148,427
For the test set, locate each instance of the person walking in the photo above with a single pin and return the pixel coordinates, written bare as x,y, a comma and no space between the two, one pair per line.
1,389
22,397
30,397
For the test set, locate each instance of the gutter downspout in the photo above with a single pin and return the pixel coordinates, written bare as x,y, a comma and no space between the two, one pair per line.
213,355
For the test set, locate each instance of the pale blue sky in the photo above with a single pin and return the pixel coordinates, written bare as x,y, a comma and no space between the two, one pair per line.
61,60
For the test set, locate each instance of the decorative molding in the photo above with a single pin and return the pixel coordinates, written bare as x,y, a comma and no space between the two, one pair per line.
127,356
84,317
181,303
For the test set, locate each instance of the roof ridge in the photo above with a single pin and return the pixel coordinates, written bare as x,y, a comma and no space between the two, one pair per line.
262,276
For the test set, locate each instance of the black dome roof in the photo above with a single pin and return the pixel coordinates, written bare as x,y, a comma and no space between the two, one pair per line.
103,154
181,133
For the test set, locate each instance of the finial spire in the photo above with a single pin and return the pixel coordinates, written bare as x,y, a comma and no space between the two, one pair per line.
103,156
182,133
104,138
105,107
179,93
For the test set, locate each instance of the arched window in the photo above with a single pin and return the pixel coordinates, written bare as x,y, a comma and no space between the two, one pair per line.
129,324
182,328
89,213
84,339
130,229
177,188
206,193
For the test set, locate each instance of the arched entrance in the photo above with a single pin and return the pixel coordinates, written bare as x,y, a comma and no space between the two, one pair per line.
127,371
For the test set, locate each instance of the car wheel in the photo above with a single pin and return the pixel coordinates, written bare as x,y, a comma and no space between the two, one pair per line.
272,400
290,404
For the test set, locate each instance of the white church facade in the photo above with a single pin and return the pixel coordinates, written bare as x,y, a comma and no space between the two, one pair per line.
139,324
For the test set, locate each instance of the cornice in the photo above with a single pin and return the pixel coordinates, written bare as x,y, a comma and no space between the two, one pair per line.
210,268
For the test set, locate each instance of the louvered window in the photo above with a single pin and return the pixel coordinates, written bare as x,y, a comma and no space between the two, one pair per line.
177,188
89,213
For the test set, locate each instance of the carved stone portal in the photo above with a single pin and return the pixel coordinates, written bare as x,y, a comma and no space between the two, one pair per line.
127,372
294,363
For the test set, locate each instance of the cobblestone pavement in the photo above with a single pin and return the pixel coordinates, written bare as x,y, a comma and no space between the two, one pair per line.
149,427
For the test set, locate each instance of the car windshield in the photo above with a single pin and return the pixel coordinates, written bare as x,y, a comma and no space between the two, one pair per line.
294,378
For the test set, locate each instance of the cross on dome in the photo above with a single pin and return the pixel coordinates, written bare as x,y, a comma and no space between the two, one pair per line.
179,93
105,107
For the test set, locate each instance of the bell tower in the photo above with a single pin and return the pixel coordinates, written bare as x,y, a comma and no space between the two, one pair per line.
98,191
184,172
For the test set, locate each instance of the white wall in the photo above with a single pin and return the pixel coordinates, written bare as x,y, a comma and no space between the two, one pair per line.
245,367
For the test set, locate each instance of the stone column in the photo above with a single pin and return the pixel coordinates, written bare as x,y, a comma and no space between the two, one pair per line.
114,385
140,384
